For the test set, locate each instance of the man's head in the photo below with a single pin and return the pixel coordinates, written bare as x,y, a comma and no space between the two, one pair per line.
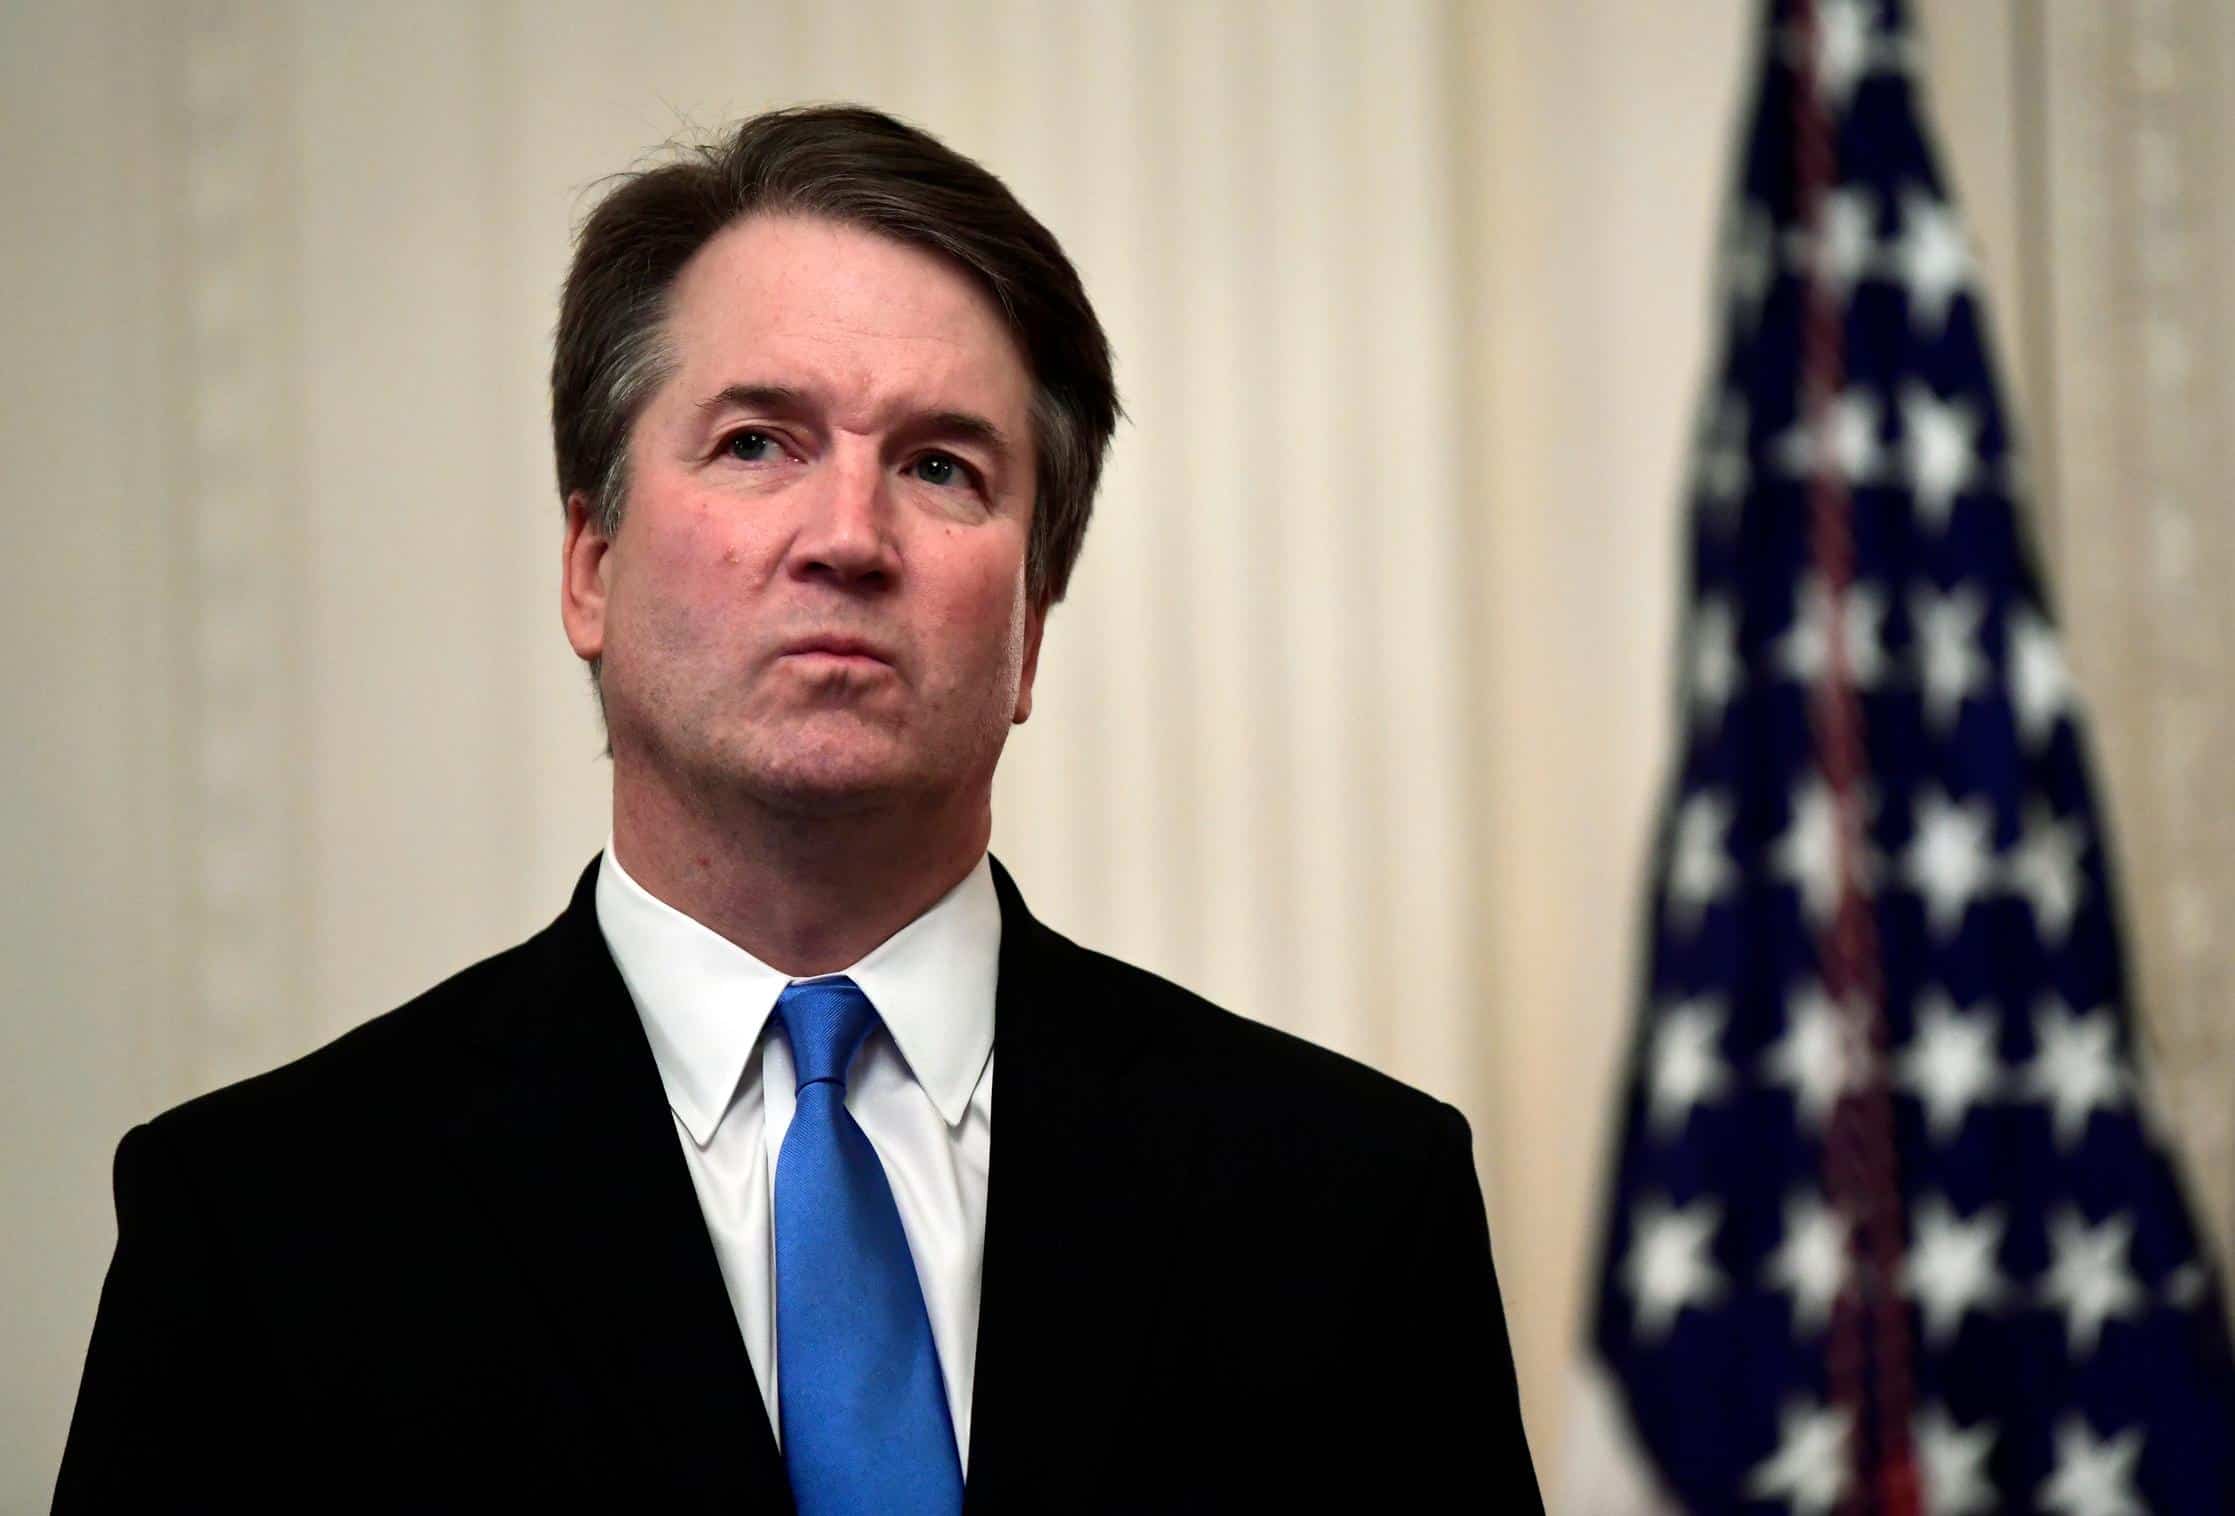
824,379
862,169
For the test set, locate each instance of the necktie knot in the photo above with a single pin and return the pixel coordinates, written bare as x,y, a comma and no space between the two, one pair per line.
825,1021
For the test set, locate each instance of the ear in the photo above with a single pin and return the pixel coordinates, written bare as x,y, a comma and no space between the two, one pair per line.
1035,622
582,574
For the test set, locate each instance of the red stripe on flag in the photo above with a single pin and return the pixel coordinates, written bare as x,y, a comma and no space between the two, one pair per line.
1861,1168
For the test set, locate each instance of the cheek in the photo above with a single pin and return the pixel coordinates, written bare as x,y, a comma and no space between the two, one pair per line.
991,607
685,579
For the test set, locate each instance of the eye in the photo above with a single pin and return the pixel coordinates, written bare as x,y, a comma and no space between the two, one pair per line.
942,469
752,446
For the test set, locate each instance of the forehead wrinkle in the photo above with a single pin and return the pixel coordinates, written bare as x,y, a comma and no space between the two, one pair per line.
955,382
780,316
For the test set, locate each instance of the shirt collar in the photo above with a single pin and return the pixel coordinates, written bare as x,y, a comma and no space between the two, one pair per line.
704,1000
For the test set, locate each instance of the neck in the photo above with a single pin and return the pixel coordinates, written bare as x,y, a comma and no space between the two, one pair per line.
805,895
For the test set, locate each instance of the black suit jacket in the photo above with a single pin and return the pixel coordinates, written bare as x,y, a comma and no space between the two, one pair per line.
454,1260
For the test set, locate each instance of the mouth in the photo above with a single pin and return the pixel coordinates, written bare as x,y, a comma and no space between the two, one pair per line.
840,650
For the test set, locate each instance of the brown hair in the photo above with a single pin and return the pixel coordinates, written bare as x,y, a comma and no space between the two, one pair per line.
865,169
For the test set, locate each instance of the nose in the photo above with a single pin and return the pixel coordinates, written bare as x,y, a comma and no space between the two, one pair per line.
845,538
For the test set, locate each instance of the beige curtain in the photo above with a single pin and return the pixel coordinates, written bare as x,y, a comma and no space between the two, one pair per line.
1355,718
2131,263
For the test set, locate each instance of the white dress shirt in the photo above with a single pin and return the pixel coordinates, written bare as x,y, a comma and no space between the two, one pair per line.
921,1089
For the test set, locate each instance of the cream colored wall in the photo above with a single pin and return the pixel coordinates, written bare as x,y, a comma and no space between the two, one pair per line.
1354,719
1603,137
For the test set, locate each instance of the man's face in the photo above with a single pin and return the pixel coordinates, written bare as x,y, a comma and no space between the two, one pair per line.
816,598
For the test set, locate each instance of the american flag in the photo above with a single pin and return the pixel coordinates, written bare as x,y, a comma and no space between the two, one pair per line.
1892,1227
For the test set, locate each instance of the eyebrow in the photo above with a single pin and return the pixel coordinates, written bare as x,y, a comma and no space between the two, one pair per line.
783,400
962,426
755,397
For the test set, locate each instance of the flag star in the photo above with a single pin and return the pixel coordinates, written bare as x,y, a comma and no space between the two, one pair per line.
1686,1068
2040,684
1843,249
2075,1068
1940,445
1723,472
1843,50
1700,869
1807,854
1712,669
1949,860
1809,1470
1749,266
1953,664
1844,437
1955,1464
1931,259
2089,1280
2186,1286
1950,1064
1810,1261
2093,1478
1847,49
2044,868
1819,1057
1951,1268
1805,652
1668,1268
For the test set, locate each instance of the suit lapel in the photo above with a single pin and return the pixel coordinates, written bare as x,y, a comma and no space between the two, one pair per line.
610,1229
589,1181
1077,1223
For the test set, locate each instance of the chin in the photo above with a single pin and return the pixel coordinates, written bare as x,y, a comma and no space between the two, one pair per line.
810,796
820,768
802,776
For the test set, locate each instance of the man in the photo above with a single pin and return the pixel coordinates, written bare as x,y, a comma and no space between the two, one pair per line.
691,1195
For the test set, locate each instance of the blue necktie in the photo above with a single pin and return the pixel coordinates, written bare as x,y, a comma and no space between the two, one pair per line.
863,1408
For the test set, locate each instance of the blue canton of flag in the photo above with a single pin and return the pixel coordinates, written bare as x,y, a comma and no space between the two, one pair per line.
1890,1228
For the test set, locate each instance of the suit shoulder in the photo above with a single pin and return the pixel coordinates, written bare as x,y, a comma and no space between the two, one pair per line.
396,1062
1262,1068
